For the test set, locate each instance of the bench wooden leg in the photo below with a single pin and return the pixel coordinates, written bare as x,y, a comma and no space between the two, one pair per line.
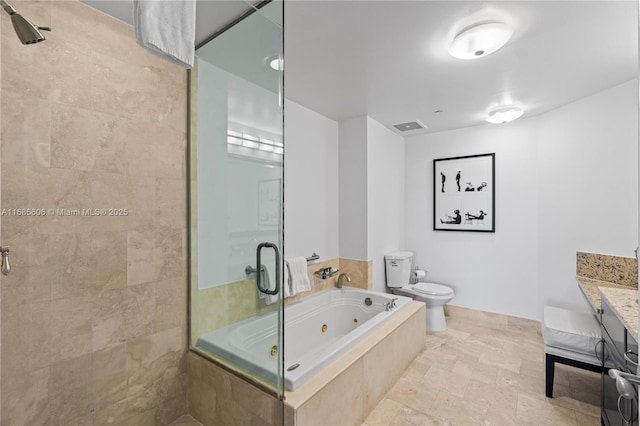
550,361
550,364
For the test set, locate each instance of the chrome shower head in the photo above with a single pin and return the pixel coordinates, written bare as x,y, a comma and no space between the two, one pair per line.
27,32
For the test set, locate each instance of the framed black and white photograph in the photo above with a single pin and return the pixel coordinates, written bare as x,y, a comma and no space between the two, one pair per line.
464,193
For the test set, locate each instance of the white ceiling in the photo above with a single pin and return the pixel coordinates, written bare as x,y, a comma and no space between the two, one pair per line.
389,60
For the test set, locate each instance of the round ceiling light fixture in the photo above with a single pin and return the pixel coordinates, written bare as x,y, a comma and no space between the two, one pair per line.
480,40
504,114
275,62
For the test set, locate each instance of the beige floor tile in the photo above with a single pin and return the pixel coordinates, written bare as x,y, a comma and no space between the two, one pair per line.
417,370
545,414
391,413
586,420
488,372
476,370
185,421
458,411
417,396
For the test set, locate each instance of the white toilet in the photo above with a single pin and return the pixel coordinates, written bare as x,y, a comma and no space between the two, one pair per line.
435,296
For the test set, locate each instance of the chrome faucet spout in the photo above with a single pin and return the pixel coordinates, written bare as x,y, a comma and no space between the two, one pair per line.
340,278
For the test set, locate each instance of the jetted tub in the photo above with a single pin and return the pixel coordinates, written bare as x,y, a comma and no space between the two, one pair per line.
317,330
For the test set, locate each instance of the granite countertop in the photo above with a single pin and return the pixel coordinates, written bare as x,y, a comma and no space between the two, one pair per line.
625,305
590,287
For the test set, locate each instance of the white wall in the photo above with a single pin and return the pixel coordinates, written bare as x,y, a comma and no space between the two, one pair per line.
565,181
352,151
385,197
311,183
588,193
494,272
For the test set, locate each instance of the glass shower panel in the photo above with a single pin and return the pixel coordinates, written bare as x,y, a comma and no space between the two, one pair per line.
236,176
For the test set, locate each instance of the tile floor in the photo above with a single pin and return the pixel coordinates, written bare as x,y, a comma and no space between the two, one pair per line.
488,373
483,371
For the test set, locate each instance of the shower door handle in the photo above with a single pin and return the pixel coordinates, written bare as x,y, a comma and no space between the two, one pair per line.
259,268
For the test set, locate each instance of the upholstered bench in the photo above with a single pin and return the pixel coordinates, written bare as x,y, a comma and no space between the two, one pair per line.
570,338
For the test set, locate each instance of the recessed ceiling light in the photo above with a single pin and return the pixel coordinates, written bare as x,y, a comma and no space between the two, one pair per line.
275,63
480,40
504,114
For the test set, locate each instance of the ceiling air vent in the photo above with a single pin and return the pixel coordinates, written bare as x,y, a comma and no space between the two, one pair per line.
411,126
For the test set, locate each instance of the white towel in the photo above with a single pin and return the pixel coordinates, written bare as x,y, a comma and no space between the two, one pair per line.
167,28
298,275
286,282
266,283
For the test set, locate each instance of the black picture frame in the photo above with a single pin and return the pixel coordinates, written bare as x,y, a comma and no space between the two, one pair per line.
464,196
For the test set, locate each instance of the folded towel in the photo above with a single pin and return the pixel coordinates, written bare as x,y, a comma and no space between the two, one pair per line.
167,28
286,282
298,275
265,282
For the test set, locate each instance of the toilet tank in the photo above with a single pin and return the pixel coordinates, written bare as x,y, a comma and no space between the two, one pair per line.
398,268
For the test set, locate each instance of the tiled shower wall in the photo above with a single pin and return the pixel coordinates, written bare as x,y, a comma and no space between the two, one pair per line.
93,315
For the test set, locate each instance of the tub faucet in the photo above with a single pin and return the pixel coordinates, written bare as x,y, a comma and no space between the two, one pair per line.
339,282
390,305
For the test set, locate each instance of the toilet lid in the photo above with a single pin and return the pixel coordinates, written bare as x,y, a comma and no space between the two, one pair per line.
432,289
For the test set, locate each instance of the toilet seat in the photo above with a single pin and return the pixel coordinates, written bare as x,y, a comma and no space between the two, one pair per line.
431,289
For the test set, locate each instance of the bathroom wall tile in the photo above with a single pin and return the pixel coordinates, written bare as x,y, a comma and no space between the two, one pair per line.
26,341
345,397
113,123
154,359
171,150
171,202
30,281
122,315
108,376
615,269
27,130
202,403
171,304
480,317
359,270
28,403
92,262
141,264
262,406
209,310
26,73
70,325
69,390
396,352
170,252
87,140
523,324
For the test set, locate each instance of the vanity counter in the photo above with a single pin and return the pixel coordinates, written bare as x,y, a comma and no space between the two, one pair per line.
590,288
624,304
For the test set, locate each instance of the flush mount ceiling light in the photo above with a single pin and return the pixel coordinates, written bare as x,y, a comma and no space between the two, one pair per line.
480,40
275,62
504,114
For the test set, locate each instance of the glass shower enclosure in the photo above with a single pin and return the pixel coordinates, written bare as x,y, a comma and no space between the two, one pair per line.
236,181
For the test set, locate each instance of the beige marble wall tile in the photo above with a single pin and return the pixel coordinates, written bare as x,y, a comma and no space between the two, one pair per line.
615,269
389,359
480,317
27,403
93,316
360,272
345,397
218,397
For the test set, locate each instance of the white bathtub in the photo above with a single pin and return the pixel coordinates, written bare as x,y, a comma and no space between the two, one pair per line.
317,330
